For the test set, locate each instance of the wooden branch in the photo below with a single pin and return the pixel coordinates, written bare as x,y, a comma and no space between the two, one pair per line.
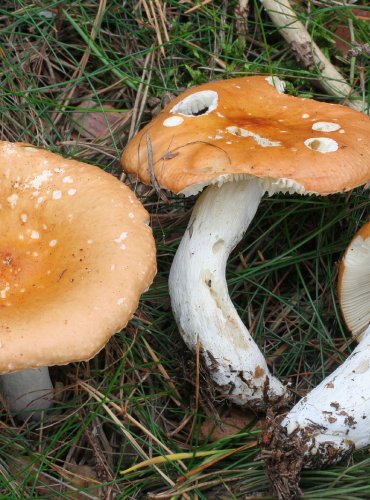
306,50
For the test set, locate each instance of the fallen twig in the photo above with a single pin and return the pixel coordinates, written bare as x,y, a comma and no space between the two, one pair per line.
306,50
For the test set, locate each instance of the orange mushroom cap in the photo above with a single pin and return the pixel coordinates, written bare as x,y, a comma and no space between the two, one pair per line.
76,252
245,126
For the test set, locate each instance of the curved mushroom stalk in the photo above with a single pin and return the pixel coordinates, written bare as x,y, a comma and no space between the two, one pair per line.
27,391
200,298
334,417
325,426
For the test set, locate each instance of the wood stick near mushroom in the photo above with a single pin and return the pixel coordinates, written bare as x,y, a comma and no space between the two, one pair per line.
307,51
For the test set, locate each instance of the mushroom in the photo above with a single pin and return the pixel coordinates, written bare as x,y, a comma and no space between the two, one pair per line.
241,137
332,420
76,252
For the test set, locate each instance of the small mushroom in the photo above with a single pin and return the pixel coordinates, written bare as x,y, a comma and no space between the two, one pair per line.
241,137
76,252
333,419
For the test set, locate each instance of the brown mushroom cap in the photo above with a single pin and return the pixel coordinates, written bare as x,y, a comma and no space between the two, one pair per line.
354,282
245,126
76,252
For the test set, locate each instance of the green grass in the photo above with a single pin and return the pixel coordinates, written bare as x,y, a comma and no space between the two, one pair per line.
143,407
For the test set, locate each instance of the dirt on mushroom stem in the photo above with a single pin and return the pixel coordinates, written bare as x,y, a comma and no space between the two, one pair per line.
285,456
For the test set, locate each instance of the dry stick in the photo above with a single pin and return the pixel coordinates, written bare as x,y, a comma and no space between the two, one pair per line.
136,112
241,20
294,32
84,60
197,390
163,372
99,396
157,29
147,62
153,178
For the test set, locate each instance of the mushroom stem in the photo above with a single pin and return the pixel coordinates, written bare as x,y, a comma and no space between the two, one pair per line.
325,426
335,415
27,391
200,298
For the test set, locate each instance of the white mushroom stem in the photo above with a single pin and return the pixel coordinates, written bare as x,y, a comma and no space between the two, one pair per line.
28,391
334,418
200,298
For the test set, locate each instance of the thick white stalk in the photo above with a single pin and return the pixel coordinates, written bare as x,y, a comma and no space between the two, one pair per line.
334,418
28,391
200,298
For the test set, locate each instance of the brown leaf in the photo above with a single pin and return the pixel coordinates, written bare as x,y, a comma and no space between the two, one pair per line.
93,120
342,34
214,429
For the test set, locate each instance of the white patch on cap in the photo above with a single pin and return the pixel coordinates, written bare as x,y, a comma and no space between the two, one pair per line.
4,291
121,238
197,104
72,191
9,148
325,126
131,215
35,235
57,195
261,141
40,179
52,243
120,301
113,267
24,217
12,200
67,180
305,115
173,121
90,242
321,144
277,83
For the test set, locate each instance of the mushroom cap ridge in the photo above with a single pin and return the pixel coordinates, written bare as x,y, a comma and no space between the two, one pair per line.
354,282
76,252
249,128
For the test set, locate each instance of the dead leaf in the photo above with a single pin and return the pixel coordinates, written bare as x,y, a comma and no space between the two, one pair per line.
214,429
93,120
342,34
